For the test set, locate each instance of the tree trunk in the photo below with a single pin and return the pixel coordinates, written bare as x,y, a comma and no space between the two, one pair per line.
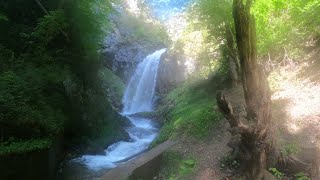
234,66
256,91
254,130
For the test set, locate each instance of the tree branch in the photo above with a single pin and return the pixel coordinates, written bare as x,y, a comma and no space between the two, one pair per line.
42,7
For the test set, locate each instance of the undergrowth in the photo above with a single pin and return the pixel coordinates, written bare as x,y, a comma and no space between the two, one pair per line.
176,166
229,162
13,146
188,110
276,173
113,85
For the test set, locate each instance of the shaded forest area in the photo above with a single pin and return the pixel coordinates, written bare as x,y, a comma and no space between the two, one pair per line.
49,82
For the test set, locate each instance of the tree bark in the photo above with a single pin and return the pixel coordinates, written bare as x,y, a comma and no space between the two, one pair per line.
254,131
233,60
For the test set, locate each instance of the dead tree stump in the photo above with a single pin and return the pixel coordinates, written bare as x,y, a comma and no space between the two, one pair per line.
254,129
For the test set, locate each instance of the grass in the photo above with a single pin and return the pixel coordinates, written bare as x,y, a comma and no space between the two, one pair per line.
188,110
175,166
24,146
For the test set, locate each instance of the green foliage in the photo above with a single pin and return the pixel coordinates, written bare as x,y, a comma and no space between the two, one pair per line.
113,85
290,149
90,24
284,24
301,176
50,26
3,17
175,166
49,81
189,110
142,30
216,14
23,146
229,161
18,106
205,38
276,173
308,14
284,27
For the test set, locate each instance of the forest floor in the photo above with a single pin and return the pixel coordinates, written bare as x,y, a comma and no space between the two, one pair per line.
296,112
296,117
211,153
296,104
206,153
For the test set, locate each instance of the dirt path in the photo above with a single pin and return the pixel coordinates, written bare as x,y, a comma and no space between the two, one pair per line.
207,153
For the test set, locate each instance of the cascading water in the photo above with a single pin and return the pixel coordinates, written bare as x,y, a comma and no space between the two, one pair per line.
140,91
139,97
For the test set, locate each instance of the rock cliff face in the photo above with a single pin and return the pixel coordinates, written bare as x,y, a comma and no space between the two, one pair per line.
172,72
123,49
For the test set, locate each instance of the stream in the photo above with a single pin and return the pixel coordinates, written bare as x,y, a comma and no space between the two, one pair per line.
139,97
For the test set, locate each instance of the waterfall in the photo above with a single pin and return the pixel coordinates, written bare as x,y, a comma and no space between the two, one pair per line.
139,97
140,91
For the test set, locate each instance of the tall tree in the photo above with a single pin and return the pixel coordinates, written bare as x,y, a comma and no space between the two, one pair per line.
254,130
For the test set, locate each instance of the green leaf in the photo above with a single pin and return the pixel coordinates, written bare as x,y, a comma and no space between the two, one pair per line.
190,163
3,17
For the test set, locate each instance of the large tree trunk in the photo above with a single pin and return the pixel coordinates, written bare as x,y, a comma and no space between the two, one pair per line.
254,130
256,92
233,60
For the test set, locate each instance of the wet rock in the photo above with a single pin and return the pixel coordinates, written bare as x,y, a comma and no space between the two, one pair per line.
97,146
172,72
124,121
95,150
147,115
